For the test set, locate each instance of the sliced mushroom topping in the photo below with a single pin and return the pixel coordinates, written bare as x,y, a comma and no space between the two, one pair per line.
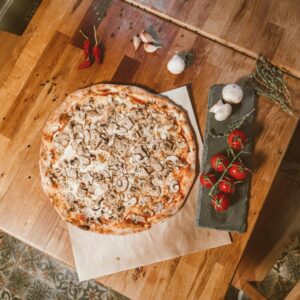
87,107
134,135
81,191
144,200
112,128
138,158
172,158
174,187
154,191
158,207
74,162
121,130
87,178
154,163
166,146
121,184
71,173
130,202
126,123
140,154
157,181
141,172
87,136
180,143
103,174
138,219
70,197
93,114
163,135
166,171
85,161
62,138
111,140
77,128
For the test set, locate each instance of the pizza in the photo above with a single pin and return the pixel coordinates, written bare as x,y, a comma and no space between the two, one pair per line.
116,159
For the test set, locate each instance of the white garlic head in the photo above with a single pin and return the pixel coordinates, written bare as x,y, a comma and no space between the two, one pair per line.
176,64
232,93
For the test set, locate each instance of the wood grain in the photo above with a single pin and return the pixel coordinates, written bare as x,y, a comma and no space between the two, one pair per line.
262,253
50,48
252,27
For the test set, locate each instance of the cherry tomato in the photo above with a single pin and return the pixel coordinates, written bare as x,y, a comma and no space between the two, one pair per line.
226,185
238,171
220,202
208,179
237,139
219,162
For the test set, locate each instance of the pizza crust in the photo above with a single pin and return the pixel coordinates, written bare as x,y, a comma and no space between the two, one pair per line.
59,121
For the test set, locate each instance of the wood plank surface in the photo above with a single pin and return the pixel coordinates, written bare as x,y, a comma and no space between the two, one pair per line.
271,27
7,43
46,70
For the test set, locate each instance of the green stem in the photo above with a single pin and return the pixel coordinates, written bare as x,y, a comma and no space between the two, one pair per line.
224,173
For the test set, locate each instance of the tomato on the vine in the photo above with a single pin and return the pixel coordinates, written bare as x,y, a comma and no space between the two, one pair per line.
238,171
208,179
219,162
226,185
220,202
237,139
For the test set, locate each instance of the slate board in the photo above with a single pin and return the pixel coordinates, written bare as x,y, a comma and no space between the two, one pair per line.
235,218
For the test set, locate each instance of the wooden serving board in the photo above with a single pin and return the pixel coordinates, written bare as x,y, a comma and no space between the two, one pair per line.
234,218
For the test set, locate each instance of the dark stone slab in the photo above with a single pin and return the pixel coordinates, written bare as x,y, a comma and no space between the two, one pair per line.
234,219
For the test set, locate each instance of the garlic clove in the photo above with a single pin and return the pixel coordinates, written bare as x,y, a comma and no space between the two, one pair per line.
232,93
216,107
150,48
223,113
136,42
146,37
176,64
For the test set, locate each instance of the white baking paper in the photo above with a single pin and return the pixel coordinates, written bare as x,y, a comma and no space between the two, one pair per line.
98,255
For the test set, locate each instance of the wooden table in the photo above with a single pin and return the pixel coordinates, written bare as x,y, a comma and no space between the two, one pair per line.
43,69
269,27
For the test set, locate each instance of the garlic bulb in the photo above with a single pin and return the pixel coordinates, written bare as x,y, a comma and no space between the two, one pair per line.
150,48
224,112
216,107
136,42
146,37
232,93
176,64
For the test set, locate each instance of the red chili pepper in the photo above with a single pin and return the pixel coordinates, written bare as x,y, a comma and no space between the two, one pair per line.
85,64
96,48
86,45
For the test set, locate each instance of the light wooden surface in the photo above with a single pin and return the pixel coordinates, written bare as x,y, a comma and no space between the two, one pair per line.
261,253
46,69
269,27
8,42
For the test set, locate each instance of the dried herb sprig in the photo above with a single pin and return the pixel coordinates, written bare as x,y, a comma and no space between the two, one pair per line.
232,126
268,81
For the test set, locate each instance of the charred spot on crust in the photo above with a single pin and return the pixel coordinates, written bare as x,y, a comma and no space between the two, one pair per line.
84,227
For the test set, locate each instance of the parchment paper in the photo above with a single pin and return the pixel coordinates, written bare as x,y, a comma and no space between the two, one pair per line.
98,255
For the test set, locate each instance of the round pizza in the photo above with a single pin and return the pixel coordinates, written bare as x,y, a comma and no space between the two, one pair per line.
116,159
